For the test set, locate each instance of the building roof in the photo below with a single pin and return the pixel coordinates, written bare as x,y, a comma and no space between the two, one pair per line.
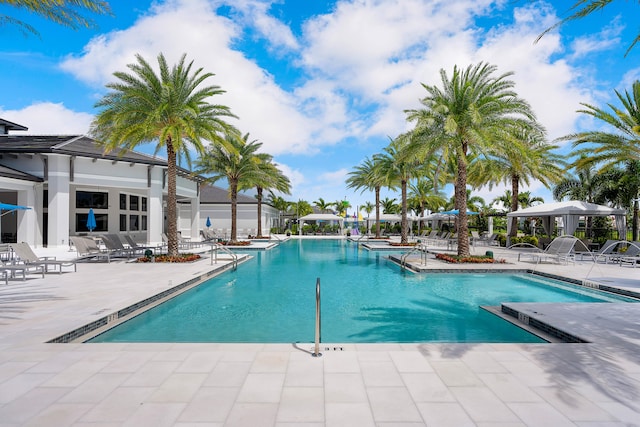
6,125
7,172
77,145
210,194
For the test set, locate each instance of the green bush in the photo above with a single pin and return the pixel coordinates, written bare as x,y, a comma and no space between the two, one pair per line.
532,240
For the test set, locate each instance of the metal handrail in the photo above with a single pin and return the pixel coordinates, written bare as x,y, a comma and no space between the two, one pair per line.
316,352
423,255
217,246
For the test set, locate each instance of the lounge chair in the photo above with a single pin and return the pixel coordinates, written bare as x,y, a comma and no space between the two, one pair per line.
26,256
209,235
11,270
183,243
631,256
87,248
113,243
137,248
559,250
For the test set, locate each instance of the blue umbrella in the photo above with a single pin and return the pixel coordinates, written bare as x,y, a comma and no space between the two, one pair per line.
456,212
208,223
91,220
11,208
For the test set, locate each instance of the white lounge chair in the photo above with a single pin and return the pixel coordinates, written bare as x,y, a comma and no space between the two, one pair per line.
25,255
87,248
559,250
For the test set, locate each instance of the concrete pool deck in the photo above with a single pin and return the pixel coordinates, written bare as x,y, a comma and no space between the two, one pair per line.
41,384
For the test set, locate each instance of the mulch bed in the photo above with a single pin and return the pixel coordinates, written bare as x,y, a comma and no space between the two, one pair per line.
455,259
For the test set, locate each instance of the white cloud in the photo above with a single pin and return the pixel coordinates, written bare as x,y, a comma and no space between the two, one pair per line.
603,40
47,118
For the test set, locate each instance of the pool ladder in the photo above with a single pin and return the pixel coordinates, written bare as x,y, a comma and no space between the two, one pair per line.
217,246
423,255
316,349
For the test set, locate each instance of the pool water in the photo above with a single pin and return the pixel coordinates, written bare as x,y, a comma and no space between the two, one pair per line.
365,299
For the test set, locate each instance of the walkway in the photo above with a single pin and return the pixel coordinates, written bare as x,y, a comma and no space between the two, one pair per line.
596,384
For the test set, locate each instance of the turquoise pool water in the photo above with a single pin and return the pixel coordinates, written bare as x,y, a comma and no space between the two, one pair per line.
365,298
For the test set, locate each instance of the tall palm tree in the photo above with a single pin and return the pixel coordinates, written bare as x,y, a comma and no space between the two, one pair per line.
468,115
582,9
527,156
399,168
269,177
238,163
170,108
341,207
63,12
389,206
368,176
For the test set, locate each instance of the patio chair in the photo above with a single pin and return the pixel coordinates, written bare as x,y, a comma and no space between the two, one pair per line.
208,235
137,248
25,255
87,248
559,250
631,256
11,270
113,243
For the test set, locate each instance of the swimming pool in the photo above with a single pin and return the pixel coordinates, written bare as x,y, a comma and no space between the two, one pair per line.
365,298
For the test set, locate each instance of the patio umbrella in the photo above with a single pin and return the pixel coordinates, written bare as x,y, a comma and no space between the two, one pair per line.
456,212
208,223
10,208
91,221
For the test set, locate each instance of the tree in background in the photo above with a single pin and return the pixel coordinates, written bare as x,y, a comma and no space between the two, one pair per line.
269,177
369,176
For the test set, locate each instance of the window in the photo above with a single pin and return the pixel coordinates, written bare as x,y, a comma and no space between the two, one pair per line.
123,202
102,222
144,204
133,223
133,203
123,222
143,223
91,199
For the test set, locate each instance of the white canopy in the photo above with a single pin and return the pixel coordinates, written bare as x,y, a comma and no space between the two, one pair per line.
388,218
321,217
570,212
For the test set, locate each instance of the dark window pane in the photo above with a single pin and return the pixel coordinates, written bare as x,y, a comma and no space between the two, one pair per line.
102,222
123,223
144,204
143,224
90,199
133,223
133,203
123,202
45,198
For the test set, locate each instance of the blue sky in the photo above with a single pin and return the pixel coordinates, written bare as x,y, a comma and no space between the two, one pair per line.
323,84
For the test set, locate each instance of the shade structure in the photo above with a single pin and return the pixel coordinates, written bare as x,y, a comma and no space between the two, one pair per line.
570,212
11,208
91,220
208,223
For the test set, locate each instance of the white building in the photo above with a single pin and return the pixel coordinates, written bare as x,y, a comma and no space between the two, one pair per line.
61,177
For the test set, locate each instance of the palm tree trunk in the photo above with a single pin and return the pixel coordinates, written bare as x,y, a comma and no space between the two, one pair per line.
404,235
172,217
377,191
259,197
233,188
461,203
514,204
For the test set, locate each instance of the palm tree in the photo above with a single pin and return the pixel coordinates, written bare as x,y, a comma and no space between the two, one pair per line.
584,8
526,156
341,207
368,176
63,12
423,196
389,206
622,142
238,163
280,204
171,109
471,113
268,177
322,205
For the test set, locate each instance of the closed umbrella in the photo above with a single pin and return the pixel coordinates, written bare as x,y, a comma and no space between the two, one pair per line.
208,223
91,221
